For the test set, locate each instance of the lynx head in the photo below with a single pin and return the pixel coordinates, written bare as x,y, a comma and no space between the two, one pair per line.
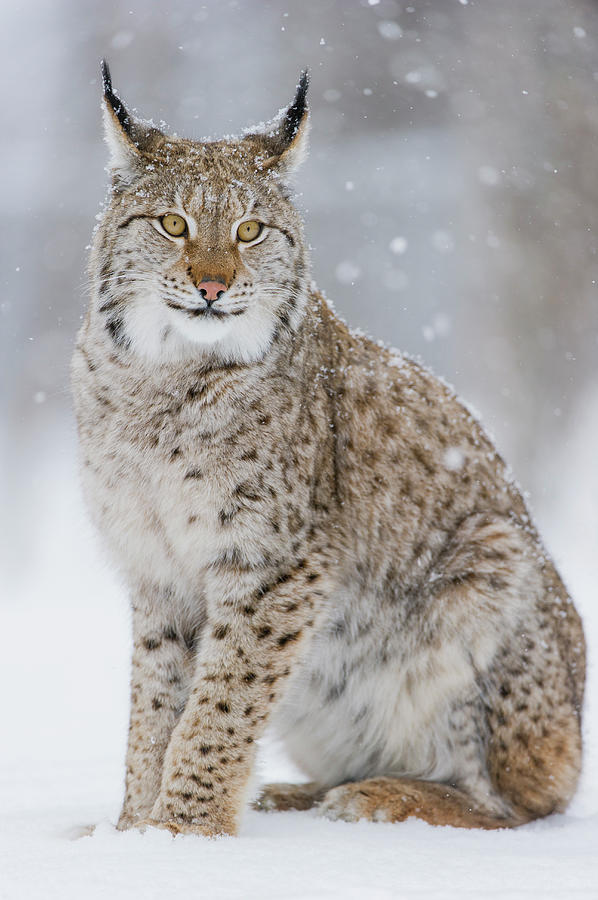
200,253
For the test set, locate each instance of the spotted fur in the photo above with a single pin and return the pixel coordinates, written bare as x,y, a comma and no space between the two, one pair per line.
316,533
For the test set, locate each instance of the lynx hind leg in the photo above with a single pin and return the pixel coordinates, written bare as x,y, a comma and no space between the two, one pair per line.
283,796
533,757
534,753
387,799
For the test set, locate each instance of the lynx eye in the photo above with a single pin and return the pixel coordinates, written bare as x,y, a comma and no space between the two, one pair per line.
173,224
248,231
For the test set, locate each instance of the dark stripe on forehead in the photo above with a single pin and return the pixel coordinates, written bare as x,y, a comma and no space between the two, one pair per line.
235,200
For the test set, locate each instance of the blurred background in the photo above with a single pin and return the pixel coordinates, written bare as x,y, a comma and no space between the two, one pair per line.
450,199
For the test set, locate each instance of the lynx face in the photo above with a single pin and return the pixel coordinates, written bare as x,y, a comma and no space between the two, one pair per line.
200,252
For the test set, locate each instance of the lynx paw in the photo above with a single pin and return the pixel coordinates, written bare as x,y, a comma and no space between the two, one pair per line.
132,820
284,796
351,802
175,827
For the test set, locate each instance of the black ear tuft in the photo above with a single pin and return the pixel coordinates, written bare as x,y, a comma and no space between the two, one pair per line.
296,111
116,105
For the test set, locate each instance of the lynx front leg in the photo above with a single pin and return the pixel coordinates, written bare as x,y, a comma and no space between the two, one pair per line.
157,697
252,642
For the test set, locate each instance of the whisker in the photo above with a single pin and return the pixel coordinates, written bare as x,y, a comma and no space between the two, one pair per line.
141,277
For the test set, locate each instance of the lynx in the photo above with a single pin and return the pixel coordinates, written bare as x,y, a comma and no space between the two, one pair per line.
316,534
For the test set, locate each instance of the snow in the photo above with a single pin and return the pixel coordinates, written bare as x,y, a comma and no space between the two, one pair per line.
398,245
65,671
488,175
347,272
443,241
390,30
454,459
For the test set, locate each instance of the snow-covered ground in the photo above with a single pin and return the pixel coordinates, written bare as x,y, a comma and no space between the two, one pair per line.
64,676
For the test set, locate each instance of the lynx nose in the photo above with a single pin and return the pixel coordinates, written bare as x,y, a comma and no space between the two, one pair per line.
211,290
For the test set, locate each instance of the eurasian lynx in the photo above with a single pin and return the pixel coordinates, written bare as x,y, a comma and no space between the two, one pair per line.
316,533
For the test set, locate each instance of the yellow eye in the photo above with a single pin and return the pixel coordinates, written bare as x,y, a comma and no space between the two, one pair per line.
248,231
173,224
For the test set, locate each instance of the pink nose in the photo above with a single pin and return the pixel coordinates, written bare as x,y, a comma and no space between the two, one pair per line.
211,290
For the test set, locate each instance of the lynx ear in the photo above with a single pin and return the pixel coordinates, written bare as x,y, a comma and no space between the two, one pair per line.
132,143
285,138
125,156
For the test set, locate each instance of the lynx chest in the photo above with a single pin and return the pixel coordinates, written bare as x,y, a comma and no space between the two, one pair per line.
173,499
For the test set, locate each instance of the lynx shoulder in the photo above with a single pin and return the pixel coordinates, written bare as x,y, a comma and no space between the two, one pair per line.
315,532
